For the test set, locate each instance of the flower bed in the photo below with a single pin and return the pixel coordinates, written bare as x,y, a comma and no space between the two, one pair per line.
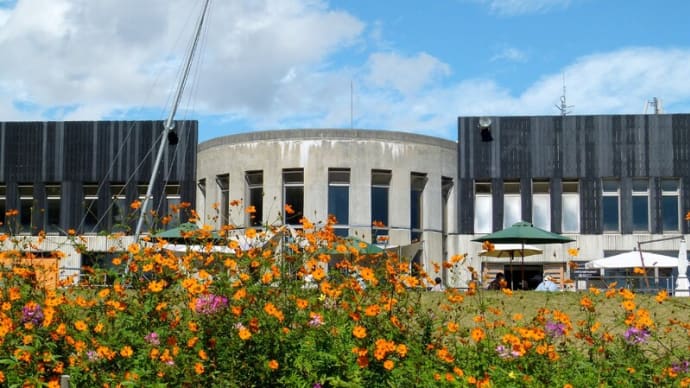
249,318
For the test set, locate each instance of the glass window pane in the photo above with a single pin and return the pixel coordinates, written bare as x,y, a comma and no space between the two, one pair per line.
338,203
571,213
294,196
670,213
416,209
640,213
256,199
611,219
541,211
669,185
512,210
483,208
379,204
610,186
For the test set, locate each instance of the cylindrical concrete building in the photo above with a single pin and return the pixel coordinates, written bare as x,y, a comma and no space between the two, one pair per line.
401,182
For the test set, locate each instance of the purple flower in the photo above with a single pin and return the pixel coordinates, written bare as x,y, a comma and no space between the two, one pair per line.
210,304
33,313
316,321
152,338
92,355
554,329
316,385
636,336
681,367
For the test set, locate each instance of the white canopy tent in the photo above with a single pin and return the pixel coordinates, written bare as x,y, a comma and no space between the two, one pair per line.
632,260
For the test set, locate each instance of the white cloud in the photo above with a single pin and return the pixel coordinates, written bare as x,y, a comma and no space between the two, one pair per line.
511,54
109,55
520,7
405,74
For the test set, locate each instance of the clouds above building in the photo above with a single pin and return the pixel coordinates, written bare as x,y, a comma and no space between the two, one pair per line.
309,63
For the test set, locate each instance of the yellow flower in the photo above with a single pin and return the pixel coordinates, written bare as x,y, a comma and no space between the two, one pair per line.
573,251
157,286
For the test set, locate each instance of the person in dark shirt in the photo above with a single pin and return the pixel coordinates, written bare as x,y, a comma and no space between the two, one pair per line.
498,282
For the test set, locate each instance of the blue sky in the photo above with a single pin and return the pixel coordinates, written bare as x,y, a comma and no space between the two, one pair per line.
404,65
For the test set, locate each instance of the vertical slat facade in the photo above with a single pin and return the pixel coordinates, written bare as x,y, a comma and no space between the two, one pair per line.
587,148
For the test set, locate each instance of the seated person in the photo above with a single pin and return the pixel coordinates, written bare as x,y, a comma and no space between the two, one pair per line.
547,284
498,283
438,286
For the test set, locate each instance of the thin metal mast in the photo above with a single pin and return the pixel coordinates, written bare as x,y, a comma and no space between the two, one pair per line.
169,124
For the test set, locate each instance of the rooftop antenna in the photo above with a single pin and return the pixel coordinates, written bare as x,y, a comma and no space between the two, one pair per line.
656,103
563,108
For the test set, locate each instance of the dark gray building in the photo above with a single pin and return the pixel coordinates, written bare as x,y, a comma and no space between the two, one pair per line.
56,176
606,180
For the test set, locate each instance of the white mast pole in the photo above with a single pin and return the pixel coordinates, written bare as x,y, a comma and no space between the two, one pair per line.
169,126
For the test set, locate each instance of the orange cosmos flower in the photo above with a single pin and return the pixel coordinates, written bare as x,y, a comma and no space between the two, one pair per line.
452,327
661,296
573,252
639,271
273,364
126,352
488,246
477,334
198,368
359,332
289,209
80,325
250,233
507,291
245,334
388,365
372,310
136,204
687,216
628,305
302,303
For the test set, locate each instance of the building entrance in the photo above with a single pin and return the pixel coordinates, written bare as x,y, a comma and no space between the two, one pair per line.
523,276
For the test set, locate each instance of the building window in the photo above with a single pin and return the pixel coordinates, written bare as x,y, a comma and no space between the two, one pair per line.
570,199
26,205
293,195
223,184
90,217
255,195
380,185
52,210
512,205
417,183
339,199
483,207
173,200
670,204
541,204
640,205
610,198
118,208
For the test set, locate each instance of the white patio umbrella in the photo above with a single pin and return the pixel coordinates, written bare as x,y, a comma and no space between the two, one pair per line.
632,260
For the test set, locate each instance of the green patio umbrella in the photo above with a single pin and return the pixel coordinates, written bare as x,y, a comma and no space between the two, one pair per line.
183,230
524,233
351,243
